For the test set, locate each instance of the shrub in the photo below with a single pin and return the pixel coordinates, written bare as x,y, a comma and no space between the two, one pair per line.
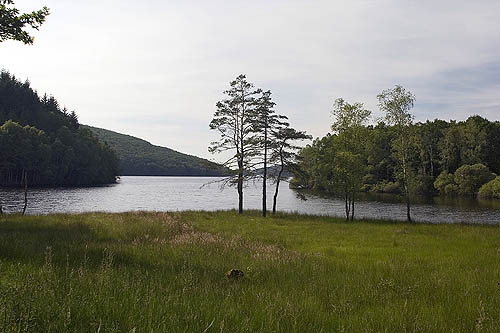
451,189
386,187
470,178
443,181
491,189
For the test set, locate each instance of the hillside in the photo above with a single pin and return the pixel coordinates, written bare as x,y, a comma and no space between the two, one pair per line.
42,144
140,158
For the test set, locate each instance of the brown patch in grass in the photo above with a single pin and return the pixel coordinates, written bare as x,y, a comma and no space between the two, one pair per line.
258,250
178,233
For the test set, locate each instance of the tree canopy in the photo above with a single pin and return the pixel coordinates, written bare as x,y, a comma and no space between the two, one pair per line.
441,157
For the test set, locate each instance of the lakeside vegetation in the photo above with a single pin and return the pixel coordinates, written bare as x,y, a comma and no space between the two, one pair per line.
166,272
140,158
440,157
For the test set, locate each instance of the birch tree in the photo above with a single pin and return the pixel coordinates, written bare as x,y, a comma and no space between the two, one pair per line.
397,103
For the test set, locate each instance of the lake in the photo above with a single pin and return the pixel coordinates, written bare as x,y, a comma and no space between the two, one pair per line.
193,193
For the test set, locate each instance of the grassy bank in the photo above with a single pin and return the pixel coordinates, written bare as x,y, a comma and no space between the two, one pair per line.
165,272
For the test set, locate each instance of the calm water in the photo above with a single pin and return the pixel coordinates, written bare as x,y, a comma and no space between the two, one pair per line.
188,193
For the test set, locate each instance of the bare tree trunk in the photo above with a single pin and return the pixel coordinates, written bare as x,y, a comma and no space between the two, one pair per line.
25,191
240,188
432,162
352,209
276,195
408,213
406,188
347,206
278,181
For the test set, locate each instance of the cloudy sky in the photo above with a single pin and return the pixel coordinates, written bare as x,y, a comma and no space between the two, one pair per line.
155,69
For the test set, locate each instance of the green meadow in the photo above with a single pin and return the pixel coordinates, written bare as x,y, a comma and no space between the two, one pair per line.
158,272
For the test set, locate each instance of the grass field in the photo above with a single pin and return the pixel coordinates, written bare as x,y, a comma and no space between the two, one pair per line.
159,272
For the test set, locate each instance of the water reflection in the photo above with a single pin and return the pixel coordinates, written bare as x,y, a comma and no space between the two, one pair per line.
188,193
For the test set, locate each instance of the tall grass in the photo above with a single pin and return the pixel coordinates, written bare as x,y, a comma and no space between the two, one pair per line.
166,272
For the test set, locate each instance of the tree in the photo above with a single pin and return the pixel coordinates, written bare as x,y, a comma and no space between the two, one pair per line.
266,123
234,119
445,184
349,160
12,24
284,153
470,178
397,103
490,190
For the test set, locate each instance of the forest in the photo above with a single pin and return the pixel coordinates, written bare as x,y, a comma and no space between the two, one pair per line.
43,144
441,157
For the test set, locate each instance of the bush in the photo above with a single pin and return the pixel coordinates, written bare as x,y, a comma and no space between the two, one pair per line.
470,178
386,187
451,189
423,185
444,182
490,190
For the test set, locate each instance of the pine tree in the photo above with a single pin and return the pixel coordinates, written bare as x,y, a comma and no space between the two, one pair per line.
284,152
235,119
266,123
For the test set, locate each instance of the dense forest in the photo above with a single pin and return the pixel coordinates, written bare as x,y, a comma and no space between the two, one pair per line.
446,157
43,144
140,158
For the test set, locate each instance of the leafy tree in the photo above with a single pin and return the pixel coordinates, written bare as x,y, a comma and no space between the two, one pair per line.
490,190
470,178
312,170
474,140
380,162
349,161
445,183
492,146
428,135
405,158
450,148
12,23
235,119
397,103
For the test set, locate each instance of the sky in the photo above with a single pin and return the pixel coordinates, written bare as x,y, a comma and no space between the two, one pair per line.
155,69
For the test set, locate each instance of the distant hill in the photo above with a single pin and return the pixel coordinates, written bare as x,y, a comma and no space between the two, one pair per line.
140,158
42,144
